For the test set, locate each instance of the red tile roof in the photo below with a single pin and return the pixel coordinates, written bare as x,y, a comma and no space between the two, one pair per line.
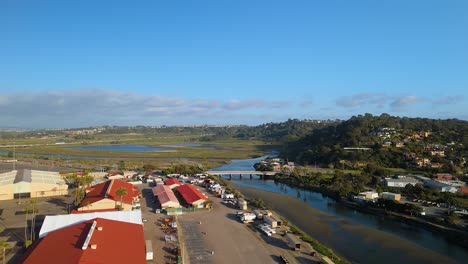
118,242
165,194
463,190
108,190
190,194
172,181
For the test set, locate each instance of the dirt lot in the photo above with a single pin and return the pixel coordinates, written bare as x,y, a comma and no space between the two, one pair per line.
152,229
231,241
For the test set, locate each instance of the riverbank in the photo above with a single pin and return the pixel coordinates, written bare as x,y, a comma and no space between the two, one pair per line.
378,246
454,235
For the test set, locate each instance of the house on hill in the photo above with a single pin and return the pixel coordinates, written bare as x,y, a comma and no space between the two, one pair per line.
104,196
96,240
443,176
191,195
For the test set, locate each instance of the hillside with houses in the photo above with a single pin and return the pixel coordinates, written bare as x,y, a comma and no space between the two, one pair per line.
386,141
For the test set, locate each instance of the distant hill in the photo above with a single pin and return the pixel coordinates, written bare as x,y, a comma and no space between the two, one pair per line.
384,140
278,133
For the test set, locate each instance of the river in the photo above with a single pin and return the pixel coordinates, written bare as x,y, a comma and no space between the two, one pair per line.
356,236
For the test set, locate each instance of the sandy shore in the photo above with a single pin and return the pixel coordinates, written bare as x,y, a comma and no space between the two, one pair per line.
357,244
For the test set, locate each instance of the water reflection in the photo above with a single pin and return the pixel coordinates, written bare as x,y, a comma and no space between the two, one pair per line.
351,217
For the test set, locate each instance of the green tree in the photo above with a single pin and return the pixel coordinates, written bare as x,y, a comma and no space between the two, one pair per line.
121,192
4,245
149,168
121,165
78,195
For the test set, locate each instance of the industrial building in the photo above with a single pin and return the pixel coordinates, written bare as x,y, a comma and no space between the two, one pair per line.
390,196
104,196
191,195
55,222
440,186
166,196
173,183
26,183
401,182
370,195
97,240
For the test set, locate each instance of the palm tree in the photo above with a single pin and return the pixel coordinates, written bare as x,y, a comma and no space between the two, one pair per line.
4,245
34,209
121,192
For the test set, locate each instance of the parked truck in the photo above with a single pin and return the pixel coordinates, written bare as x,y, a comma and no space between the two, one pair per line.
293,241
248,217
149,250
227,196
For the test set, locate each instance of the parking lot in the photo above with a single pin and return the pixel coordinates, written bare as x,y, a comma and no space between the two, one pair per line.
195,247
220,231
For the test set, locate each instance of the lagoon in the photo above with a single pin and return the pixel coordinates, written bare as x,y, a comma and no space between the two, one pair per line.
122,148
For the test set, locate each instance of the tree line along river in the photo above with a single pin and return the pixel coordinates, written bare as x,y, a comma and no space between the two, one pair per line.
357,237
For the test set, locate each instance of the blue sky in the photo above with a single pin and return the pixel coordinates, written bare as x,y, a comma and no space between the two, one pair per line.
81,63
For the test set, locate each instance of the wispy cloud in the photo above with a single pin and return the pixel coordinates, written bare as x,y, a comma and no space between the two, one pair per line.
83,107
405,101
447,100
306,103
361,99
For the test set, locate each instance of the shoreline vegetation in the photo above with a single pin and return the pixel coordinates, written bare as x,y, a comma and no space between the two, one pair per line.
454,235
207,155
320,248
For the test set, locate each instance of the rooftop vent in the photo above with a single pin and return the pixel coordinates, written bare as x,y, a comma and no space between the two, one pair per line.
93,246
99,228
88,237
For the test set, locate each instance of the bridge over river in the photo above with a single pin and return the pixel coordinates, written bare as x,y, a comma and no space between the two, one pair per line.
241,172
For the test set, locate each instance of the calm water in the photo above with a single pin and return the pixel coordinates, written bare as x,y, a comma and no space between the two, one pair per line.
176,145
414,234
124,148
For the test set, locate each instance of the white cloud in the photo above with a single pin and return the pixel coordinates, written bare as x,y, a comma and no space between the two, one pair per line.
378,100
86,107
448,100
361,99
405,101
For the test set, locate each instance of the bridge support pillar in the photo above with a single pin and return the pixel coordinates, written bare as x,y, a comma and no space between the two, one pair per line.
251,176
240,176
230,176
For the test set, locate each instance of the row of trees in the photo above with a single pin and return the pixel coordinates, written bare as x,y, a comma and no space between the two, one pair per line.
183,169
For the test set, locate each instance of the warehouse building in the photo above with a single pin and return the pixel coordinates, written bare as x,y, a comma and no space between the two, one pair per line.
191,195
97,240
401,182
166,196
104,196
173,183
390,196
26,183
